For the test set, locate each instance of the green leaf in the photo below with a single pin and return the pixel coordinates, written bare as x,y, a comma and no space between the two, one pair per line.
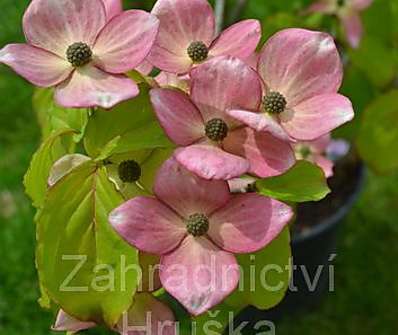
378,136
277,22
54,147
134,121
44,300
361,92
381,29
108,149
303,182
79,256
151,166
266,275
52,117
267,9
149,136
376,60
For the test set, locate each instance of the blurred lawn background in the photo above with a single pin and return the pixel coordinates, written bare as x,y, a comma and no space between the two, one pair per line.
366,297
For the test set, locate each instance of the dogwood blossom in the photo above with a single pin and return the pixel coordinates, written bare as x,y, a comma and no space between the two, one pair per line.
302,73
316,152
348,11
197,226
211,144
171,80
112,8
74,46
187,36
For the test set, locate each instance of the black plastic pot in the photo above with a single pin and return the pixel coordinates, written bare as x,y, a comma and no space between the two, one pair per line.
313,249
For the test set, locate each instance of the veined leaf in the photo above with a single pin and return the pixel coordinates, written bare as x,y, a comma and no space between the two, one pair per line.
303,182
133,121
378,136
265,275
150,136
54,147
108,149
82,262
53,117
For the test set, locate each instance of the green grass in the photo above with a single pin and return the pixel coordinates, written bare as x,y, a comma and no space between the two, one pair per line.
365,301
366,294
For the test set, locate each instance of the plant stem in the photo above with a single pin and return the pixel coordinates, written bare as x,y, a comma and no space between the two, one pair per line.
219,10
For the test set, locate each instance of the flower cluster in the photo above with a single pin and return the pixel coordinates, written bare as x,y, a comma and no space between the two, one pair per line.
78,48
196,226
229,111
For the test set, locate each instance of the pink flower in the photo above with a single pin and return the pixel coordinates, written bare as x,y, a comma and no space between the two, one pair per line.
73,47
302,73
316,152
147,313
197,226
212,144
132,322
187,36
337,149
252,60
348,11
245,184
171,80
65,322
112,8
144,68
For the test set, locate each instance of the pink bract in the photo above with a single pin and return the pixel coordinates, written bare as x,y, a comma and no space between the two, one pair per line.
217,86
316,152
183,22
112,8
147,307
302,73
172,80
118,41
65,322
349,15
197,264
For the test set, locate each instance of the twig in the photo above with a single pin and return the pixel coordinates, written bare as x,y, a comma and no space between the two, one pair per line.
219,10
